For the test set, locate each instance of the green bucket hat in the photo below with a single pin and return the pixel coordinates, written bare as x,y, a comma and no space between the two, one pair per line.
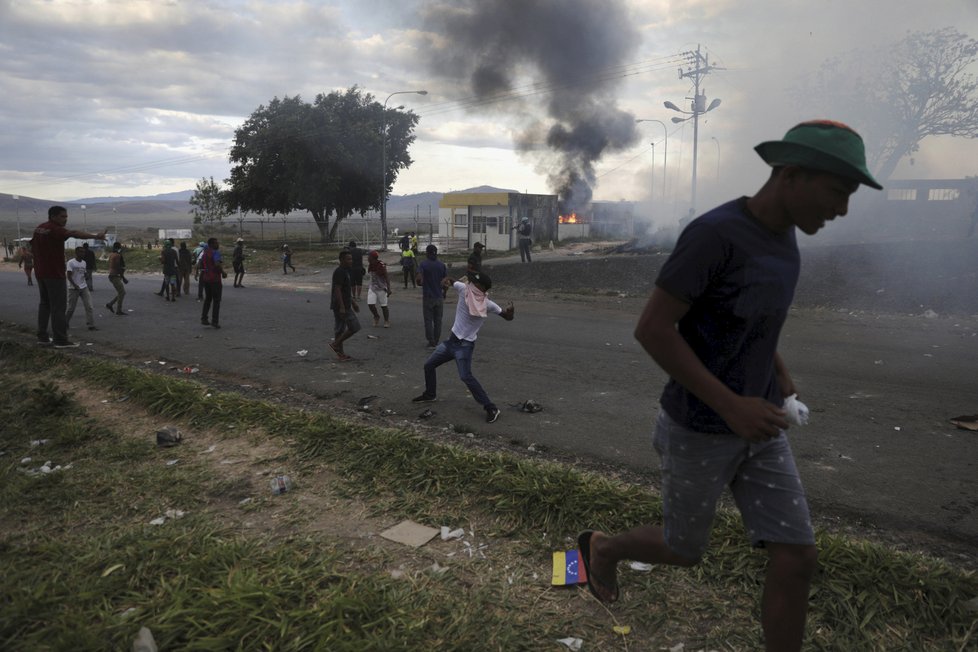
822,145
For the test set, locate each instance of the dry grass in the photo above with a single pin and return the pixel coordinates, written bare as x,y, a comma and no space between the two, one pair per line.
81,568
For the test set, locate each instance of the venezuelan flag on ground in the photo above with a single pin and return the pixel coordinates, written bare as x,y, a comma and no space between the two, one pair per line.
568,568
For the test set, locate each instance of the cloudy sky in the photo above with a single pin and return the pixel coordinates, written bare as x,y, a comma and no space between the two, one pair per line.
132,97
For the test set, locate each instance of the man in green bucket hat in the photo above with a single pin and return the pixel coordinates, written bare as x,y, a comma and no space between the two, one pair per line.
712,323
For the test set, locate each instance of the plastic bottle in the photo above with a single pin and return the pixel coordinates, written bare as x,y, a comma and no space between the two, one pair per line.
281,484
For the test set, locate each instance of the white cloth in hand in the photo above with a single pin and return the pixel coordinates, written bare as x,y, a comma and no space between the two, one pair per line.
796,411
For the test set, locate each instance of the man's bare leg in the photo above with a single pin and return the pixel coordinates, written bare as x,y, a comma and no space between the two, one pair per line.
644,543
784,604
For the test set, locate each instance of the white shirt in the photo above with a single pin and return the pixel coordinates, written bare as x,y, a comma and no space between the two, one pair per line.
466,326
77,270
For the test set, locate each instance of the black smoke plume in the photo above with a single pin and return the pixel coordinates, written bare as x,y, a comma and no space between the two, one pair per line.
572,50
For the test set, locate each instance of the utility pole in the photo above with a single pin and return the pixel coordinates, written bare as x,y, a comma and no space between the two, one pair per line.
697,68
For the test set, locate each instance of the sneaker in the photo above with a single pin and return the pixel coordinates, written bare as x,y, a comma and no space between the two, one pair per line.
66,345
44,342
424,398
205,322
215,325
121,314
492,414
109,306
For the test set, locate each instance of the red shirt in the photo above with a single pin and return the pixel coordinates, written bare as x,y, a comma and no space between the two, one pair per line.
48,246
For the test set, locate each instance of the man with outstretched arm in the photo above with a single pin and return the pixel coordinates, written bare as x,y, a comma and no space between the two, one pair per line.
474,306
712,323
48,245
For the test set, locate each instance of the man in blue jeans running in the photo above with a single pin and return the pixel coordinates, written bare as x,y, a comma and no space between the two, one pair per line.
471,312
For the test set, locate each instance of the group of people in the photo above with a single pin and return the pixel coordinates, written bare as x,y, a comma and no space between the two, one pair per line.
712,323
472,309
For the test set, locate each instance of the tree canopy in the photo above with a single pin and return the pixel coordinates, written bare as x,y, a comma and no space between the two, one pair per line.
895,97
325,157
209,202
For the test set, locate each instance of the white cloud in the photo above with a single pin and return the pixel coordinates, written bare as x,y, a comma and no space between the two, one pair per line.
140,97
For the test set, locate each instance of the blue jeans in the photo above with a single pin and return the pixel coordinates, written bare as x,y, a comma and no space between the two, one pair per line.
461,351
432,309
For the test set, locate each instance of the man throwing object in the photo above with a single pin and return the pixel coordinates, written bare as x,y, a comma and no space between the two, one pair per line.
474,305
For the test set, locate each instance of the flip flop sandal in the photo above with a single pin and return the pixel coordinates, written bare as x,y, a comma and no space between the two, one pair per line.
584,545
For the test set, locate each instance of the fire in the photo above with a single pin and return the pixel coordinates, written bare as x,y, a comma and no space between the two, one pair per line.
568,219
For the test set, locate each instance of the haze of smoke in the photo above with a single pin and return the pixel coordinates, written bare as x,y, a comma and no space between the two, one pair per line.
571,49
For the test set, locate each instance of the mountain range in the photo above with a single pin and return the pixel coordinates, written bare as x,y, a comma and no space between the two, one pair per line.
30,208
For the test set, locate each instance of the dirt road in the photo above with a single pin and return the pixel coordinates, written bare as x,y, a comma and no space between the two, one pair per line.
879,450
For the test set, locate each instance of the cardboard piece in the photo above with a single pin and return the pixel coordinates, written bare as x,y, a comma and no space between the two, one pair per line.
410,533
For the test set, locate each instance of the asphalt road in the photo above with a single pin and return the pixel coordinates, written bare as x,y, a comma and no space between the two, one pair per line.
879,449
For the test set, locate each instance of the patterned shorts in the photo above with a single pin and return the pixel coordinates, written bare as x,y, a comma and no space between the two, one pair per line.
762,478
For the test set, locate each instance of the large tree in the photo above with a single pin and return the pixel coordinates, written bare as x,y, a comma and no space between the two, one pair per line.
324,157
209,202
919,86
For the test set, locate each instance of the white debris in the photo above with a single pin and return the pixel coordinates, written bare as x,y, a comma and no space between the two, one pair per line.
640,566
38,442
26,460
302,353
244,501
572,643
438,569
160,520
174,513
447,534
930,314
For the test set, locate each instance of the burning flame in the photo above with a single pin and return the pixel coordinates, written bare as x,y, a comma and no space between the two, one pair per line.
568,219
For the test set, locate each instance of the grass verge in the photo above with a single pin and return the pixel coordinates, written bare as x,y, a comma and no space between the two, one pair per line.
81,568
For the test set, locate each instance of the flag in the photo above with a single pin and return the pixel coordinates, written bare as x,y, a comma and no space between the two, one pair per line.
568,568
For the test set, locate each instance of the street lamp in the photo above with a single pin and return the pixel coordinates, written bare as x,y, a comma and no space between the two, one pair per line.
383,186
699,107
665,154
85,215
714,139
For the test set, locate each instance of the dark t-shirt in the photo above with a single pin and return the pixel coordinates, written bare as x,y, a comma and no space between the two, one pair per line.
186,260
91,263
48,247
433,271
341,280
170,261
358,271
739,279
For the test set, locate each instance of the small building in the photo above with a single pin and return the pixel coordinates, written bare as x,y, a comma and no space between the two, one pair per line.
613,219
488,215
